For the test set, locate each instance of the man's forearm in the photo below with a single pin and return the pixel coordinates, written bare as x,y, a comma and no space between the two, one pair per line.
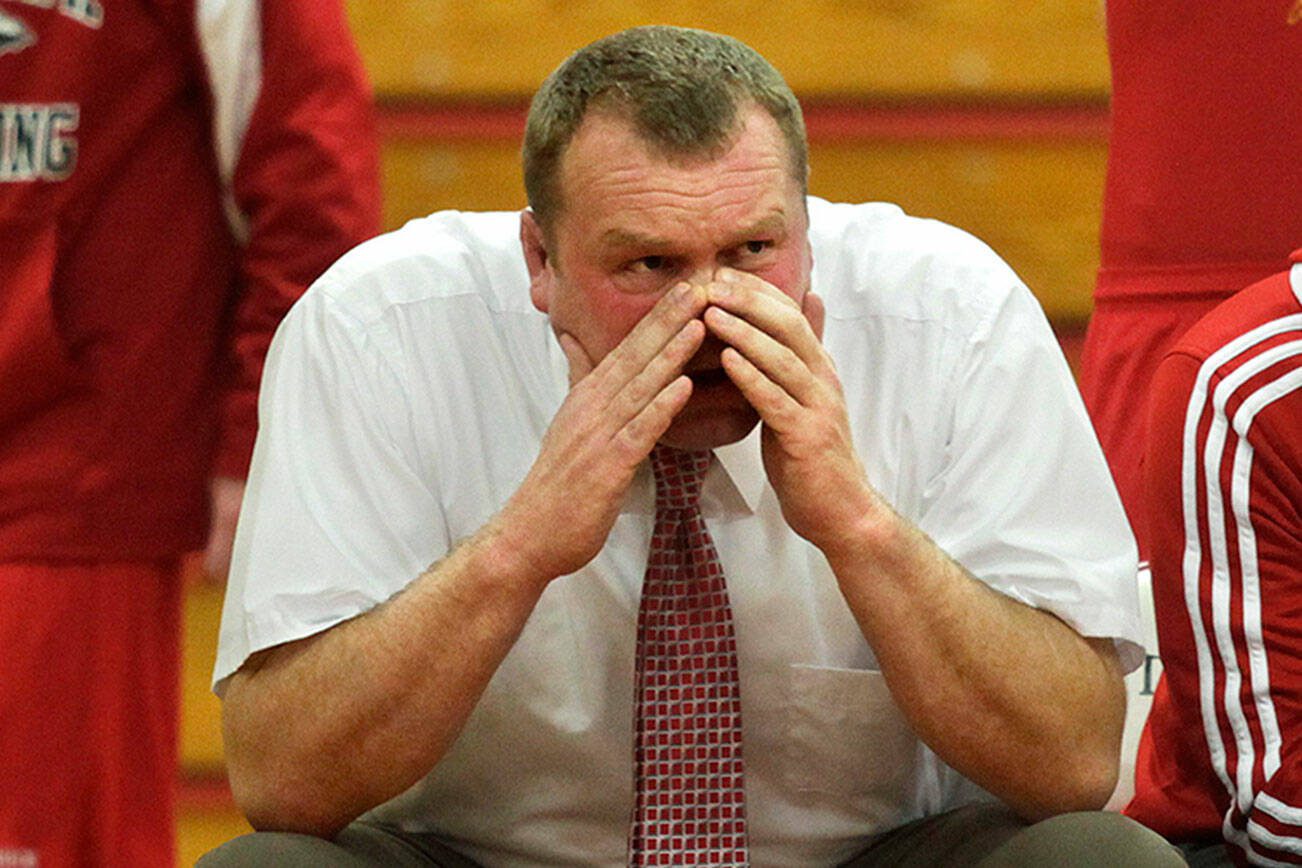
320,730
1008,695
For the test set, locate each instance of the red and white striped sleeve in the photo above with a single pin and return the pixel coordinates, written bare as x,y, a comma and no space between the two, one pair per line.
295,138
1237,418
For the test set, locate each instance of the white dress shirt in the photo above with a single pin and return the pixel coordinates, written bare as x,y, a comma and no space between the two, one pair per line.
406,396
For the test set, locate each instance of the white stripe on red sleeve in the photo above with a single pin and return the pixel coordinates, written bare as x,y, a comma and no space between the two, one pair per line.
1246,751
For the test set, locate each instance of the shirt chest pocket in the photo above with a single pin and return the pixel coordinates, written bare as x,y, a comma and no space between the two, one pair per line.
846,740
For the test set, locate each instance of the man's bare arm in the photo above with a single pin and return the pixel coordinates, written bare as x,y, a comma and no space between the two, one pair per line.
1009,695
322,729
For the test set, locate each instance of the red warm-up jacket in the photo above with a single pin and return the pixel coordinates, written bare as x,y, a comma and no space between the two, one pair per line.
173,174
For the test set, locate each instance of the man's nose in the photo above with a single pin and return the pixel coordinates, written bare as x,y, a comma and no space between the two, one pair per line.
702,275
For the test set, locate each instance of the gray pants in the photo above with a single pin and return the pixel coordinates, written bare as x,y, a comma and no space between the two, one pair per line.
989,836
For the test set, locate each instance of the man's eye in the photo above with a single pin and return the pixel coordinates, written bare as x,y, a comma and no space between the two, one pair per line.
649,263
757,247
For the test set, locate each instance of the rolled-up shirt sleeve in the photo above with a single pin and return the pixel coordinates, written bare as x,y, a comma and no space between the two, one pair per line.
1022,497
336,518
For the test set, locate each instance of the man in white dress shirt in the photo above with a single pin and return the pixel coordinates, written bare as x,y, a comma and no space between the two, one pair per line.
430,636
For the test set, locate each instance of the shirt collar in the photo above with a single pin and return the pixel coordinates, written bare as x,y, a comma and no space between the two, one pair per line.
742,463
739,466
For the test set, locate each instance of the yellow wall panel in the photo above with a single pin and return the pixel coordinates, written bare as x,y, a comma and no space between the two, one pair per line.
422,177
1036,203
201,732
200,830
901,48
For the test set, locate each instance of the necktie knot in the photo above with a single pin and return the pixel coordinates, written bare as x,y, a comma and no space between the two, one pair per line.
679,474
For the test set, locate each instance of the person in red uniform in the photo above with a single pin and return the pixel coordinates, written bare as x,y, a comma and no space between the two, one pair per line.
172,175
1203,193
1221,757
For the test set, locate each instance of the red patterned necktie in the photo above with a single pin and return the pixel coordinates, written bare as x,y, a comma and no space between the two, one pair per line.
690,800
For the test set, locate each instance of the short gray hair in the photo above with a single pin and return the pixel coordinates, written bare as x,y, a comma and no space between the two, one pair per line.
680,88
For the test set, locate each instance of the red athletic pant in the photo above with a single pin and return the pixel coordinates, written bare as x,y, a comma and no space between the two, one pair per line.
89,668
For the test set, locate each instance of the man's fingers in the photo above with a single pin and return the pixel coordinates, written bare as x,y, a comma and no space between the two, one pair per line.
663,368
580,364
779,363
641,433
618,390
774,404
658,327
754,283
772,311
814,311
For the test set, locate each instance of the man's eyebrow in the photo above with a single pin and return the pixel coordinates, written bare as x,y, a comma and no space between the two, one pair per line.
631,238
620,237
773,223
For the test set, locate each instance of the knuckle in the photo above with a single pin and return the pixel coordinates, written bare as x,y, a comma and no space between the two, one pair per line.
630,442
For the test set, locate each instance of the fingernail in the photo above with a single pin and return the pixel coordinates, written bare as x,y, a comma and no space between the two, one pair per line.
728,275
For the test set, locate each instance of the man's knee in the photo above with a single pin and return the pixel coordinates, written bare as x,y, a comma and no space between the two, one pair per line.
361,844
281,849
1084,840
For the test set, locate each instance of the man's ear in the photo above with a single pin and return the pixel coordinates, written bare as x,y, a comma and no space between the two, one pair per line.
536,260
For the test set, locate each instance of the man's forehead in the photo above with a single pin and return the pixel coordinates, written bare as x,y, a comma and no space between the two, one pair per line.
750,175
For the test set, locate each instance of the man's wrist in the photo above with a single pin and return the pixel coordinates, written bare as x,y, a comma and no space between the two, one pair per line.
503,550
861,522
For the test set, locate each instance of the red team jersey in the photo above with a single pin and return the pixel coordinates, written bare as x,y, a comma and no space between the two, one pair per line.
1221,756
1203,192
